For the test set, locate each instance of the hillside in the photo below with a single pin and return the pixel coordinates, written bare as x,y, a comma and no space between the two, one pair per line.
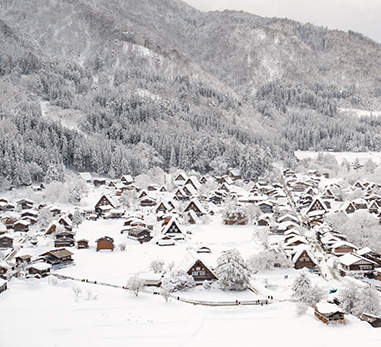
131,85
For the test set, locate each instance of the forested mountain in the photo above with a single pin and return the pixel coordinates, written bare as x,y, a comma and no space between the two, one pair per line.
125,85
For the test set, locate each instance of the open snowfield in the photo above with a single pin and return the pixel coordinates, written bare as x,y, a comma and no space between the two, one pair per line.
36,313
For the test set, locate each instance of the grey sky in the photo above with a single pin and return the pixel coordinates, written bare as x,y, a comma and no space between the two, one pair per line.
363,16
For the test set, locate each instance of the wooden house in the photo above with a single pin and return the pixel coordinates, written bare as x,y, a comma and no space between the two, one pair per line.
38,270
360,204
6,241
316,206
173,227
367,253
195,205
180,179
374,321
266,207
105,200
194,182
139,234
353,263
127,179
348,207
189,190
21,226
343,247
86,176
99,182
147,201
302,257
23,259
105,243
64,239
225,180
25,204
59,256
288,218
5,269
165,207
329,314
3,285
196,268
66,222
83,244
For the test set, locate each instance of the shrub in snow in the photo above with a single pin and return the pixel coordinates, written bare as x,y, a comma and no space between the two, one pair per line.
207,285
135,284
156,265
178,280
122,246
232,271
77,291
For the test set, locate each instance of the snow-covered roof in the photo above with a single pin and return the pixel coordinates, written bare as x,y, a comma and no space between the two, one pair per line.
352,258
298,252
325,307
85,176
343,244
364,250
8,236
40,266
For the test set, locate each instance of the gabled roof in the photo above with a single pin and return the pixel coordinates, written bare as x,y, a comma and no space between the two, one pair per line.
198,205
58,253
173,226
298,252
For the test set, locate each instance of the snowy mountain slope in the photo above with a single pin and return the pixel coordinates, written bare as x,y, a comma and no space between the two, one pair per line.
202,91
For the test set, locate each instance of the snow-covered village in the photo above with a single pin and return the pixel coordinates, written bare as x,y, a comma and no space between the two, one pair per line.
174,256
190,173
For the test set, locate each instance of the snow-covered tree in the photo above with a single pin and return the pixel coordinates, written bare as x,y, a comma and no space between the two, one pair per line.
268,260
77,218
75,195
156,265
357,299
178,280
232,271
44,218
368,301
166,291
135,284
303,291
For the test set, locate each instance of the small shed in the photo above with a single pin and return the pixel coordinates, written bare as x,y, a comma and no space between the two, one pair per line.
83,244
105,243
328,313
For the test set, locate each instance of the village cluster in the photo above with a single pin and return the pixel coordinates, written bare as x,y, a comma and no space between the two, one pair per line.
291,212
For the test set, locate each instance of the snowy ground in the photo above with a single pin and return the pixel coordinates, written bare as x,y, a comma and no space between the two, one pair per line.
37,313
